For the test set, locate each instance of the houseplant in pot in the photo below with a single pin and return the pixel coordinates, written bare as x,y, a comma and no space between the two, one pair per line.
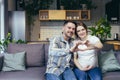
32,8
101,29
5,42
77,4
88,4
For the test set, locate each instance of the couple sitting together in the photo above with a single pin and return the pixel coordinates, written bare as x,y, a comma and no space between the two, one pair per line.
84,49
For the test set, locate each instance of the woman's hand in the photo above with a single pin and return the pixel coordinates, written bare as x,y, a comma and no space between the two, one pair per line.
86,68
75,46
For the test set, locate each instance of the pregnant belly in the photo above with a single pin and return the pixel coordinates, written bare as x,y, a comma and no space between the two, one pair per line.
87,62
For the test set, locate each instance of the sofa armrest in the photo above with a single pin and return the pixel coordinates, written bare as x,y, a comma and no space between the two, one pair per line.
107,47
1,61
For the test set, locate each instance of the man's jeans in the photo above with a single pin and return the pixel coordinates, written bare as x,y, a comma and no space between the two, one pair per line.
94,74
66,75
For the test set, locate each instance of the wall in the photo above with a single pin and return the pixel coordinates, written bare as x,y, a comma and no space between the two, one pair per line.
47,32
46,29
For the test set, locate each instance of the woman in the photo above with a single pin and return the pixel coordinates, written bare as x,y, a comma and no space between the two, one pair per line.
85,56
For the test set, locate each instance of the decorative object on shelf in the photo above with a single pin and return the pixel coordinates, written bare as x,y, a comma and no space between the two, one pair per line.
84,6
62,7
102,29
77,4
115,36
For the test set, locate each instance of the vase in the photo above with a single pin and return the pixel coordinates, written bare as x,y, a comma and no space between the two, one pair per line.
62,7
84,6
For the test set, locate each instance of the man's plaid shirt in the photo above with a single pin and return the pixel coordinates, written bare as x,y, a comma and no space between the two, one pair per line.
59,55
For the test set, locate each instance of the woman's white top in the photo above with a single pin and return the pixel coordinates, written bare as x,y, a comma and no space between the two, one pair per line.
88,57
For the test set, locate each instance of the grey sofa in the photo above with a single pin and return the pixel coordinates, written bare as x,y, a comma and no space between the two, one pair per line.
36,59
35,62
111,75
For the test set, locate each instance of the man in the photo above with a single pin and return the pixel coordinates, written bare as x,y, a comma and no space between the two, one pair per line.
58,67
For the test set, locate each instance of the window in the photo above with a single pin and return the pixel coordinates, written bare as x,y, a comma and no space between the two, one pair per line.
1,19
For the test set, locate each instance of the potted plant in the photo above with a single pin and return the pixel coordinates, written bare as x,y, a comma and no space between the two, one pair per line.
88,4
101,29
4,43
32,8
77,4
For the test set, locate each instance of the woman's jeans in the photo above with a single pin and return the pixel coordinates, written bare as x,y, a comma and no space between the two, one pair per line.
92,74
66,75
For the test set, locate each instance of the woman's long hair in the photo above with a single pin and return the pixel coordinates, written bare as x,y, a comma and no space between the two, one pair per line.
80,24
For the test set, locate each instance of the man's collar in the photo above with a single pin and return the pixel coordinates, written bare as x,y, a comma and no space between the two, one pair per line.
62,39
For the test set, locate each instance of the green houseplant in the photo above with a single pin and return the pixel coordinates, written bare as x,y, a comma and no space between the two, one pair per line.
101,29
76,4
90,5
4,43
32,8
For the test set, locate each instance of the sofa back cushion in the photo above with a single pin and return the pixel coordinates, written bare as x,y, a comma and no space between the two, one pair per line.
1,61
107,47
117,54
46,53
108,61
34,53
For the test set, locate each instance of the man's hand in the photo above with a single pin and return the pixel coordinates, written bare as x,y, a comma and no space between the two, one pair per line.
75,46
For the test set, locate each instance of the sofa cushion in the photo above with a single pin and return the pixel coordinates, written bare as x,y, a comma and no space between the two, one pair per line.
14,61
1,61
112,75
108,61
46,53
117,54
34,53
31,73
107,47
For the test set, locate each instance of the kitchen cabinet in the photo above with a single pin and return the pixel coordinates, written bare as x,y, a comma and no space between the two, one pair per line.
64,15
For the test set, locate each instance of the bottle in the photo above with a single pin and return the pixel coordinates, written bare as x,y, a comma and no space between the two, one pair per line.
115,36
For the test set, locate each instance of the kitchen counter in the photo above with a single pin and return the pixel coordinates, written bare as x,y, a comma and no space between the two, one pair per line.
116,43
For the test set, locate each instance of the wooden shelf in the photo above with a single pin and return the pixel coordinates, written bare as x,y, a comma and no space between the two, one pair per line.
85,14
64,14
44,15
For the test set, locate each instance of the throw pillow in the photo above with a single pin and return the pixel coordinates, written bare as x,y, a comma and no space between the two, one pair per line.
14,61
1,61
35,53
108,61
